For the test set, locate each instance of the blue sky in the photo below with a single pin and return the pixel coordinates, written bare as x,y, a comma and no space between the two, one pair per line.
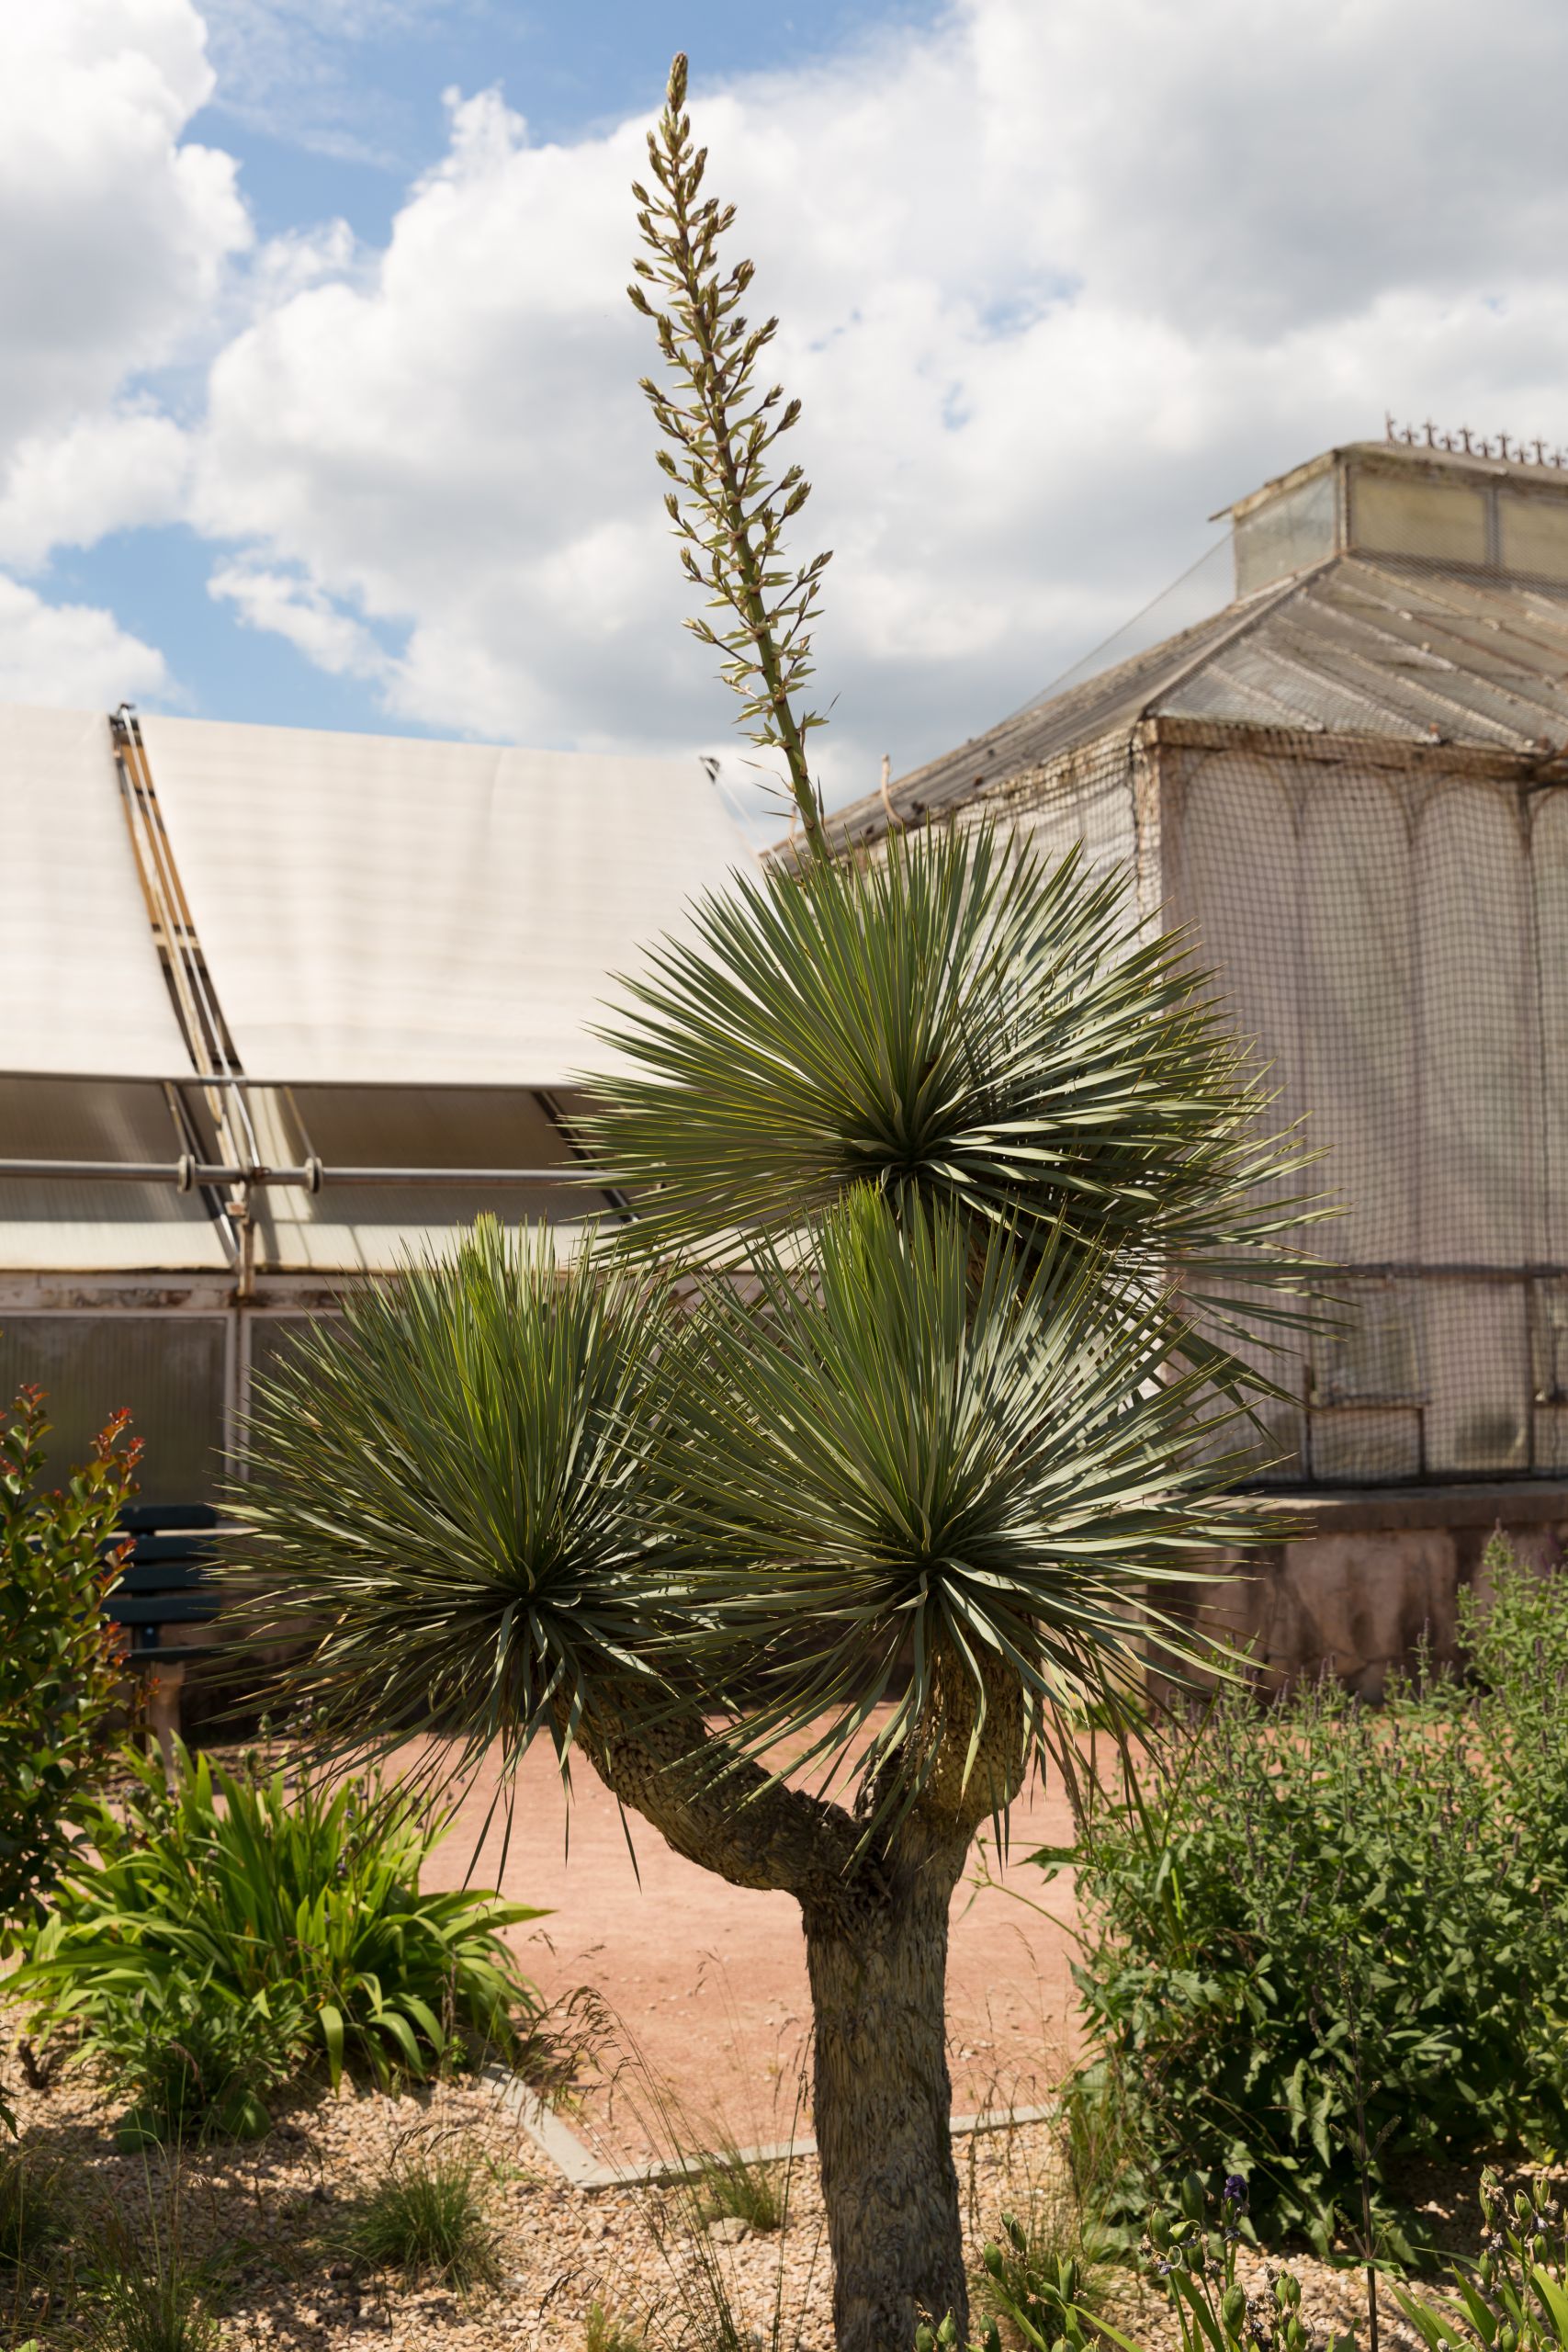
318,392
334,113
348,118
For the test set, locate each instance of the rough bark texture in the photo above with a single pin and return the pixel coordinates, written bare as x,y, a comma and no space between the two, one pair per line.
875,1917
728,1815
883,2102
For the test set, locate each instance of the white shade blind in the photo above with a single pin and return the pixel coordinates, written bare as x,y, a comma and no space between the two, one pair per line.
375,909
80,982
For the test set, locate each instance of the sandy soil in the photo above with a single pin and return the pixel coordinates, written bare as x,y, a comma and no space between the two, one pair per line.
708,1981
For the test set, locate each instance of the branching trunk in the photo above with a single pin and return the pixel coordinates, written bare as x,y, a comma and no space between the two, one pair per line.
882,2103
875,1918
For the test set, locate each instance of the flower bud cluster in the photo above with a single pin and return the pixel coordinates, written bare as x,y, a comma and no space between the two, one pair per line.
1191,2255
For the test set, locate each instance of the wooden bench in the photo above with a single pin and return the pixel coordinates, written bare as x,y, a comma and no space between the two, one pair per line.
165,1584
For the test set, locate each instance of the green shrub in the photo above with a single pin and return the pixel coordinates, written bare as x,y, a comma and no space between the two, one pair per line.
1318,1926
60,1674
427,2219
196,2057
232,1935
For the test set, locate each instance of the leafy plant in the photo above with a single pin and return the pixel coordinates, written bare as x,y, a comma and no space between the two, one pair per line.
914,1393
1310,1921
1050,2291
1192,2254
427,2219
196,2057
1516,2298
231,1934
1048,2270
60,1671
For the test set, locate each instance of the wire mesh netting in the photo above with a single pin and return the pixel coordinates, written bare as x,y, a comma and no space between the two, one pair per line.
1390,926
170,1369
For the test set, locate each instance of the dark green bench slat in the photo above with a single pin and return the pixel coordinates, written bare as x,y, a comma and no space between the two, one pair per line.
148,1518
166,1577
150,1549
161,1608
164,1583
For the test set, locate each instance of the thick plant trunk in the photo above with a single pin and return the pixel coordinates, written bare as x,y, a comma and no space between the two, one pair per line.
883,2105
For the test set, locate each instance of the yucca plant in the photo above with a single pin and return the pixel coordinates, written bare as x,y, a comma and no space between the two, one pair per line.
959,1024
877,1442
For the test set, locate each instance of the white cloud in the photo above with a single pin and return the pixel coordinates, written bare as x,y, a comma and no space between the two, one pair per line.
113,233
289,68
115,240
1055,284
307,619
100,474
71,654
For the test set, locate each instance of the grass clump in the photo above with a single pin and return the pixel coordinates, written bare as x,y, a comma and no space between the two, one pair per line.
144,2295
426,2220
32,2218
733,2186
238,1932
607,2330
1322,1940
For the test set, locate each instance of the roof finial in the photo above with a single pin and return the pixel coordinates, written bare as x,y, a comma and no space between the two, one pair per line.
1510,447
893,816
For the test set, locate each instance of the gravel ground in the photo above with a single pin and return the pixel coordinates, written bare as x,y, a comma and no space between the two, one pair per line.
268,2219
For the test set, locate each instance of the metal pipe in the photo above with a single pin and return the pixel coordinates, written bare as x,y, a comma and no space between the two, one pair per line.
188,1173
1411,1271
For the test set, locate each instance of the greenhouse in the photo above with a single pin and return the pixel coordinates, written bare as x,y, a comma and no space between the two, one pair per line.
1350,784
281,1006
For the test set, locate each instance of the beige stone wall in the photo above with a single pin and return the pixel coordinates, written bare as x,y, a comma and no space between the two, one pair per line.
1356,1600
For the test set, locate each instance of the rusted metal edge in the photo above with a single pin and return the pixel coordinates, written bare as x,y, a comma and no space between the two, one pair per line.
189,1172
577,2163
